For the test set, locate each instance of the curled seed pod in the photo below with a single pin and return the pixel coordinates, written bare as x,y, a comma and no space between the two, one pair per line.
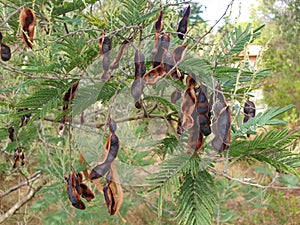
139,63
11,131
175,96
73,195
202,106
105,76
179,53
109,200
112,125
104,44
187,122
5,52
123,47
154,75
27,21
99,170
68,96
168,62
86,192
182,27
78,180
221,129
159,24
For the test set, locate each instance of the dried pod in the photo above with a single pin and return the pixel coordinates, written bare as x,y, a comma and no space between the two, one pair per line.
139,63
105,76
68,96
27,21
73,195
112,125
1,36
86,192
11,131
17,156
195,140
154,75
104,44
115,63
137,88
159,24
182,27
160,48
202,106
113,147
5,52
175,96
179,53
105,62
221,129
249,110
99,170
179,126
109,200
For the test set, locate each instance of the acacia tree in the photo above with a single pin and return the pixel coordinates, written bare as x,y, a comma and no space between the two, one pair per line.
171,121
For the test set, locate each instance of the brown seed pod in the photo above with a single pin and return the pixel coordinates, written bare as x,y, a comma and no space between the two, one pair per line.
112,125
222,129
19,154
139,64
11,131
27,21
109,200
115,64
105,62
249,110
179,53
159,24
5,52
195,140
137,88
154,75
99,170
182,27
175,96
104,44
69,96
179,126
161,46
73,195
1,36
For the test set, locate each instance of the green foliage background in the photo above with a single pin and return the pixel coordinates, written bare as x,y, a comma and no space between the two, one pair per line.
186,189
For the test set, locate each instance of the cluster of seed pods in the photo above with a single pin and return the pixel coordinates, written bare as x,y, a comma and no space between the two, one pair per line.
77,189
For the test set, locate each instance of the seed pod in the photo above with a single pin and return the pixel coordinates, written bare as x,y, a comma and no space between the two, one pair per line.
11,131
99,170
154,75
17,156
179,126
159,24
5,52
112,125
104,44
160,48
137,88
73,195
105,76
249,110
27,21
68,96
115,63
182,27
105,62
1,36
175,96
179,53
195,140
86,192
221,129
139,64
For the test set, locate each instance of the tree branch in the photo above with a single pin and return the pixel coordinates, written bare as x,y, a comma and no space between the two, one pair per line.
28,181
23,201
243,181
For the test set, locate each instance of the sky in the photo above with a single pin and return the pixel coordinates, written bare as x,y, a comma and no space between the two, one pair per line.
215,9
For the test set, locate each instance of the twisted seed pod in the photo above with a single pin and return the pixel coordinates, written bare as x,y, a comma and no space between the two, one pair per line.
73,195
249,110
175,96
27,21
182,26
105,46
179,53
161,46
